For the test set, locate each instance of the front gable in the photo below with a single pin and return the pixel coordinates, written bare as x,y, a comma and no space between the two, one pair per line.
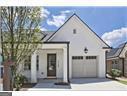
123,52
83,36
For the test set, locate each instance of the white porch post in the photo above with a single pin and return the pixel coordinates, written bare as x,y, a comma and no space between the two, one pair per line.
102,65
33,68
65,79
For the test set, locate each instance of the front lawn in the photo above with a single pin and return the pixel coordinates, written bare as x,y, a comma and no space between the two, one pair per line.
123,81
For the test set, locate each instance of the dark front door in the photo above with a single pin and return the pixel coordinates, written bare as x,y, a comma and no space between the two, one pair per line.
51,64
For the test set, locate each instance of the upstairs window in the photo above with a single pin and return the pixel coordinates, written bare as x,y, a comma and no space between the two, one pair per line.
74,31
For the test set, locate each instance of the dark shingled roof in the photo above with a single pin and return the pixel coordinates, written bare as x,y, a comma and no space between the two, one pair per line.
47,34
115,52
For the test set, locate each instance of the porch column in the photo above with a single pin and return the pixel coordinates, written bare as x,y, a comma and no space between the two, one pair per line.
33,68
102,65
65,79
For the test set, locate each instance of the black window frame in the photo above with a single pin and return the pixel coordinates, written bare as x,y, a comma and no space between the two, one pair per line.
74,31
91,57
77,57
27,63
37,62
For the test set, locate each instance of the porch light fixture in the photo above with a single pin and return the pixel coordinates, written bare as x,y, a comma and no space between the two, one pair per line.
85,50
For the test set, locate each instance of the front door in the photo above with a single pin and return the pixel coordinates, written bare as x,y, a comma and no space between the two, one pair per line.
51,65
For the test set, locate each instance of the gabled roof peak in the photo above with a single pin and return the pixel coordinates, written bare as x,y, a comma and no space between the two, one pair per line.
83,23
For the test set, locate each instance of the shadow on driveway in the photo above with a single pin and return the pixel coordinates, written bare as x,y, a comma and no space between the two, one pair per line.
50,84
88,80
93,84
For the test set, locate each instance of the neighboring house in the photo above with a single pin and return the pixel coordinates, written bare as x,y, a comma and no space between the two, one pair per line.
73,51
117,59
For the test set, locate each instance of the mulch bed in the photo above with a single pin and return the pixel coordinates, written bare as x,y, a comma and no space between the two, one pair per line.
28,85
61,83
112,78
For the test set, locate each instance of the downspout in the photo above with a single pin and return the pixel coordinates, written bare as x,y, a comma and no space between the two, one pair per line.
68,62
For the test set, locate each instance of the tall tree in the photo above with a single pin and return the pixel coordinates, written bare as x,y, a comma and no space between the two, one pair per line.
20,33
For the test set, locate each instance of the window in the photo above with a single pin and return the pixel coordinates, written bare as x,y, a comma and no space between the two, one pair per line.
90,57
2,72
27,63
37,62
74,31
77,57
114,62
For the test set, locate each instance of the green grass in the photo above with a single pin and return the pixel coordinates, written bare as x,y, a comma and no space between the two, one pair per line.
123,81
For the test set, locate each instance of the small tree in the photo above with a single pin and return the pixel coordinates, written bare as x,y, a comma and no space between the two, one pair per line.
20,34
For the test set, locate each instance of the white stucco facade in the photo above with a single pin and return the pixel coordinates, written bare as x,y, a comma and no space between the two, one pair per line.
83,38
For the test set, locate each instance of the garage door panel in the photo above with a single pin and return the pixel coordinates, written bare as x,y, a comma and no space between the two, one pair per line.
91,68
86,67
78,69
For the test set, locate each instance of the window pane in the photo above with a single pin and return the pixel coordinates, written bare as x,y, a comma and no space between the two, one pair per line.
74,31
90,57
77,57
37,62
27,63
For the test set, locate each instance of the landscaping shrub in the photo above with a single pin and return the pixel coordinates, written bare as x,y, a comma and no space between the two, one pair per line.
19,80
115,73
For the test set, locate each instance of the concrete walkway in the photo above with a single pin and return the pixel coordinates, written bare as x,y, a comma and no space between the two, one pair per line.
82,84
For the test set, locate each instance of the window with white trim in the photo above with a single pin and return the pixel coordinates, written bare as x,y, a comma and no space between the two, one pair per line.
74,31
27,63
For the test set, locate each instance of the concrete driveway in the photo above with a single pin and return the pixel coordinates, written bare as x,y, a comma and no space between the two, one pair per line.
82,84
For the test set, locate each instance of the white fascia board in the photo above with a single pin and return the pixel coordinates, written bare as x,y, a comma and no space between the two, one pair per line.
54,46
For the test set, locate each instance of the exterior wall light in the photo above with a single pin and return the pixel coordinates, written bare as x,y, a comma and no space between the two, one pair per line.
86,50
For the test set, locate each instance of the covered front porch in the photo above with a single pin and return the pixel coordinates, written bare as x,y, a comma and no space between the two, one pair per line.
53,62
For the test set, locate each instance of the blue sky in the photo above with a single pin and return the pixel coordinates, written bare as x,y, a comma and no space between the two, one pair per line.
110,23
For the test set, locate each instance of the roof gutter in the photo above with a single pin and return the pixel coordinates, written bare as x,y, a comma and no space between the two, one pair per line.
112,58
106,47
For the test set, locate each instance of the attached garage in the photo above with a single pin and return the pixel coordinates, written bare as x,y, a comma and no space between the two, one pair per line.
84,66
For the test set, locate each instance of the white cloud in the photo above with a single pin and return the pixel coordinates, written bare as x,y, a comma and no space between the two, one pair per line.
66,11
58,20
43,29
44,12
115,37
